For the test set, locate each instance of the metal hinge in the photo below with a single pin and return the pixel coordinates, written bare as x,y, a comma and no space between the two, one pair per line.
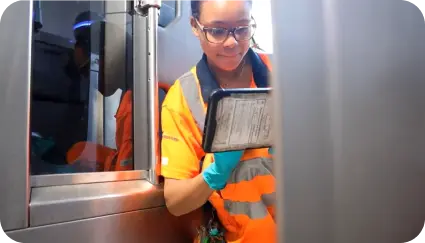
141,6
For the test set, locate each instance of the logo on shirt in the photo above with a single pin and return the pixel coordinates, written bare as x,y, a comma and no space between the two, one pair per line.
168,137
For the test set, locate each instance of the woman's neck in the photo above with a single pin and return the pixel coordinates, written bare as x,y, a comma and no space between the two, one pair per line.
237,78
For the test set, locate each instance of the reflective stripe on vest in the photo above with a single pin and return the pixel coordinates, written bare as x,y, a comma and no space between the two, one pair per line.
189,85
245,171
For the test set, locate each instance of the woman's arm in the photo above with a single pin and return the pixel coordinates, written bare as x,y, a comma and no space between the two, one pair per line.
185,189
185,196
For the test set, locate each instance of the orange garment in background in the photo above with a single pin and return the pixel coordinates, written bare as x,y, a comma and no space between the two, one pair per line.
109,159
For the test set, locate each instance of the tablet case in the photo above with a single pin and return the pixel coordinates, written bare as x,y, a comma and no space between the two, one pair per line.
213,105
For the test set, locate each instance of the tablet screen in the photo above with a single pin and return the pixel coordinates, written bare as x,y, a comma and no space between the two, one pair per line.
241,121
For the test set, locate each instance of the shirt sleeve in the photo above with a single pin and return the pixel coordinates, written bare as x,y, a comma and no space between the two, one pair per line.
180,150
125,152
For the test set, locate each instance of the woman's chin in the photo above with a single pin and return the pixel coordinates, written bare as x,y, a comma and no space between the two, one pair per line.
229,65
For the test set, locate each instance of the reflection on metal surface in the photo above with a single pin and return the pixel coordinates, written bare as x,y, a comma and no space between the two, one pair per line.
15,55
81,178
58,204
131,227
350,114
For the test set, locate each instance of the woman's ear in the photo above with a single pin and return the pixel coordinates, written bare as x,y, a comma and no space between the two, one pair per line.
194,26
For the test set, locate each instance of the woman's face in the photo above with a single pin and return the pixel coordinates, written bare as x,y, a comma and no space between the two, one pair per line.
227,14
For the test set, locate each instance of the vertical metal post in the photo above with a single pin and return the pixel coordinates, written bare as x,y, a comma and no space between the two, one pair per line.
15,56
153,13
145,49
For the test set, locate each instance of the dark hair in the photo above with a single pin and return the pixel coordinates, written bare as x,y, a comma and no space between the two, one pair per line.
92,34
195,5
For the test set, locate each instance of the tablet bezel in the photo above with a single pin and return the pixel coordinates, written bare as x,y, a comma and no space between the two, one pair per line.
210,124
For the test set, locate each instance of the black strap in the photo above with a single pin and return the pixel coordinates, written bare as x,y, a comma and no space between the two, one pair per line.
201,163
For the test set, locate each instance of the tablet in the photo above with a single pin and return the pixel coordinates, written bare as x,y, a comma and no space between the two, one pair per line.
238,119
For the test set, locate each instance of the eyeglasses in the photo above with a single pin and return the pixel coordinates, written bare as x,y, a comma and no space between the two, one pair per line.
219,35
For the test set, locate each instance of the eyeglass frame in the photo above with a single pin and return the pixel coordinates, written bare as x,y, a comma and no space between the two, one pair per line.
229,31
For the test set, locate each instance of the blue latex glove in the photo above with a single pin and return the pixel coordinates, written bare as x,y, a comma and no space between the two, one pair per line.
217,174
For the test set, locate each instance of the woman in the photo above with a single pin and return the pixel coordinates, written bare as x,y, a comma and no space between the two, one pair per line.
239,184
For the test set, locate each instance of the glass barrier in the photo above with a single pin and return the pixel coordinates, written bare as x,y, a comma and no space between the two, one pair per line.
81,89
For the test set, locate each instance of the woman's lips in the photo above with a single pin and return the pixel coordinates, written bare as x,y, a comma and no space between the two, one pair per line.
230,56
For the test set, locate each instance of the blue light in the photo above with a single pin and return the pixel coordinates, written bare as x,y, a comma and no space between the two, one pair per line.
83,24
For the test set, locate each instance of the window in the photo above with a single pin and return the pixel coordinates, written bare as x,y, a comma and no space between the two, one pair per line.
81,88
263,36
168,13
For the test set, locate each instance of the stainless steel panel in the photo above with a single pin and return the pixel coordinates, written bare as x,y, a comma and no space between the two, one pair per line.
350,133
82,178
15,65
58,204
116,6
140,97
145,226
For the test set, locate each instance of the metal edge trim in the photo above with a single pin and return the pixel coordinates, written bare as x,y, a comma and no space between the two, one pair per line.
85,178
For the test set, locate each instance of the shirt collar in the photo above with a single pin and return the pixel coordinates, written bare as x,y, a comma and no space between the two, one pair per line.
208,82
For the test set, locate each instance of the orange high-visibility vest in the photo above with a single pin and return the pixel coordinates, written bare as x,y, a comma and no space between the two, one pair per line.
108,159
246,205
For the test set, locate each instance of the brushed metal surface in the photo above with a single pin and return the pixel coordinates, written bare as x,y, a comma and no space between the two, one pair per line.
154,225
83,178
58,204
350,120
15,56
140,97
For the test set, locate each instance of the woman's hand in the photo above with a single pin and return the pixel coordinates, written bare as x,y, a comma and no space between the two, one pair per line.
217,174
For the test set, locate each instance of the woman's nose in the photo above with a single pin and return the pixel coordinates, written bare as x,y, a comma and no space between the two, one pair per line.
230,41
